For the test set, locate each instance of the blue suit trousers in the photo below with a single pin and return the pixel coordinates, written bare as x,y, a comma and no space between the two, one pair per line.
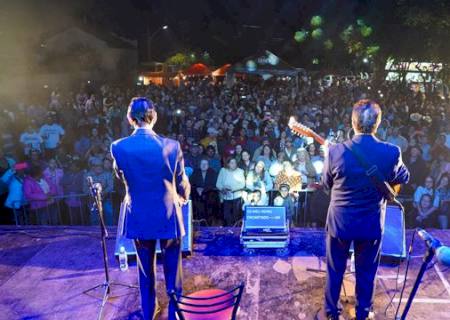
367,259
146,255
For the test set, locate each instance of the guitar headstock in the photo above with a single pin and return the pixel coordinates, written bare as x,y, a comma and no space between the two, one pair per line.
299,129
302,130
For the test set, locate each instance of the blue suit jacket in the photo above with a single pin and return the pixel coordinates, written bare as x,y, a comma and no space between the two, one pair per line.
152,169
357,208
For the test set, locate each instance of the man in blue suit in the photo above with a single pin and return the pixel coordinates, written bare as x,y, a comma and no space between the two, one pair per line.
152,169
357,207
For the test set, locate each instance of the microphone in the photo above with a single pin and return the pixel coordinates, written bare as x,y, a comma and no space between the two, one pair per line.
98,187
442,252
90,181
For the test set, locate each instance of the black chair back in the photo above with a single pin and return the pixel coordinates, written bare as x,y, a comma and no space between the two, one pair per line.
231,298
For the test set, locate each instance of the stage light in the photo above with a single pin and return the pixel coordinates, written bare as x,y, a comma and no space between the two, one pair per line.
251,65
165,27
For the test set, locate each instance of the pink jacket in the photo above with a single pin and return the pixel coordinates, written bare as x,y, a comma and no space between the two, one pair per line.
34,193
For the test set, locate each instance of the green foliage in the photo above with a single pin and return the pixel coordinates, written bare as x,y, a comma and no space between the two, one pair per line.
316,21
317,33
366,31
346,34
328,44
179,59
301,35
372,50
356,48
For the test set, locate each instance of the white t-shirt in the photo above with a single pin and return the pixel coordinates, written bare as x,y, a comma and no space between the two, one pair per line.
31,141
51,135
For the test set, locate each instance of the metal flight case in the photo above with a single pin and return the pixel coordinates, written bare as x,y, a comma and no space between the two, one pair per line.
265,228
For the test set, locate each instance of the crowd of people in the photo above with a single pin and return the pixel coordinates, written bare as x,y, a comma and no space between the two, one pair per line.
237,146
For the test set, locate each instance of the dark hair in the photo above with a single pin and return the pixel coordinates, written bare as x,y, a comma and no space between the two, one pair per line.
366,116
263,171
270,150
284,185
140,109
35,170
426,195
257,191
228,160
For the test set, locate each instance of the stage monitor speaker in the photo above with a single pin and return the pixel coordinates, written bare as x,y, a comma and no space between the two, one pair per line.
188,239
394,243
393,246
187,242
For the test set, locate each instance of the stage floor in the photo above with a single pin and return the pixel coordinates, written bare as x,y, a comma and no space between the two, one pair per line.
44,270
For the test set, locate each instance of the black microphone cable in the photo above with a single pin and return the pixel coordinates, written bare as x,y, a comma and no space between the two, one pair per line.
406,274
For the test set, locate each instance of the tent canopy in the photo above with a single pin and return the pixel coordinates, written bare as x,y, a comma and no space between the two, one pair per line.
265,63
220,72
197,69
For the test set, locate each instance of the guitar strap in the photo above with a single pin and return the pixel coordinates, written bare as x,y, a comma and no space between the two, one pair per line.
372,171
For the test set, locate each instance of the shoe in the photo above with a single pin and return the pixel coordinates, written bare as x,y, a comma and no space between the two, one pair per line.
157,312
371,316
320,315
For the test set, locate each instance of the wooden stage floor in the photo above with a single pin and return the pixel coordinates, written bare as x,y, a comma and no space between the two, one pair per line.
44,271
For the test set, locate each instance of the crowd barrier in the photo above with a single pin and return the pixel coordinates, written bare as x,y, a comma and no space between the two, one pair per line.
71,209
75,209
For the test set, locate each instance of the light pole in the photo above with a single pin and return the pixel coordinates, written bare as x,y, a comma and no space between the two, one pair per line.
163,27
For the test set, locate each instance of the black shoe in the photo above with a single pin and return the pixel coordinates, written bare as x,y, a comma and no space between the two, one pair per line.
320,315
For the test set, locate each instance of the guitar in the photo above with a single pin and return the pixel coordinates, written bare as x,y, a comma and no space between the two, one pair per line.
302,131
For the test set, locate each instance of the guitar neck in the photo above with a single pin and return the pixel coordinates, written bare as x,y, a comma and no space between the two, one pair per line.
301,130
318,138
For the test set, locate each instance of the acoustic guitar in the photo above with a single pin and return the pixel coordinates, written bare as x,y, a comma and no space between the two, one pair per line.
304,131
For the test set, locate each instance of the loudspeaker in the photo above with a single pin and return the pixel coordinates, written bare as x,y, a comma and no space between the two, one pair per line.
188,239
186,245
394,243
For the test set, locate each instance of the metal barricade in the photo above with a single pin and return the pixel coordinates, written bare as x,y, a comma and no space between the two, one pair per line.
70,209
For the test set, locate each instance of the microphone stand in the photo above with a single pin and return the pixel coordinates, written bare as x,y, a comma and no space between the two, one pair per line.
97,209
428,256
